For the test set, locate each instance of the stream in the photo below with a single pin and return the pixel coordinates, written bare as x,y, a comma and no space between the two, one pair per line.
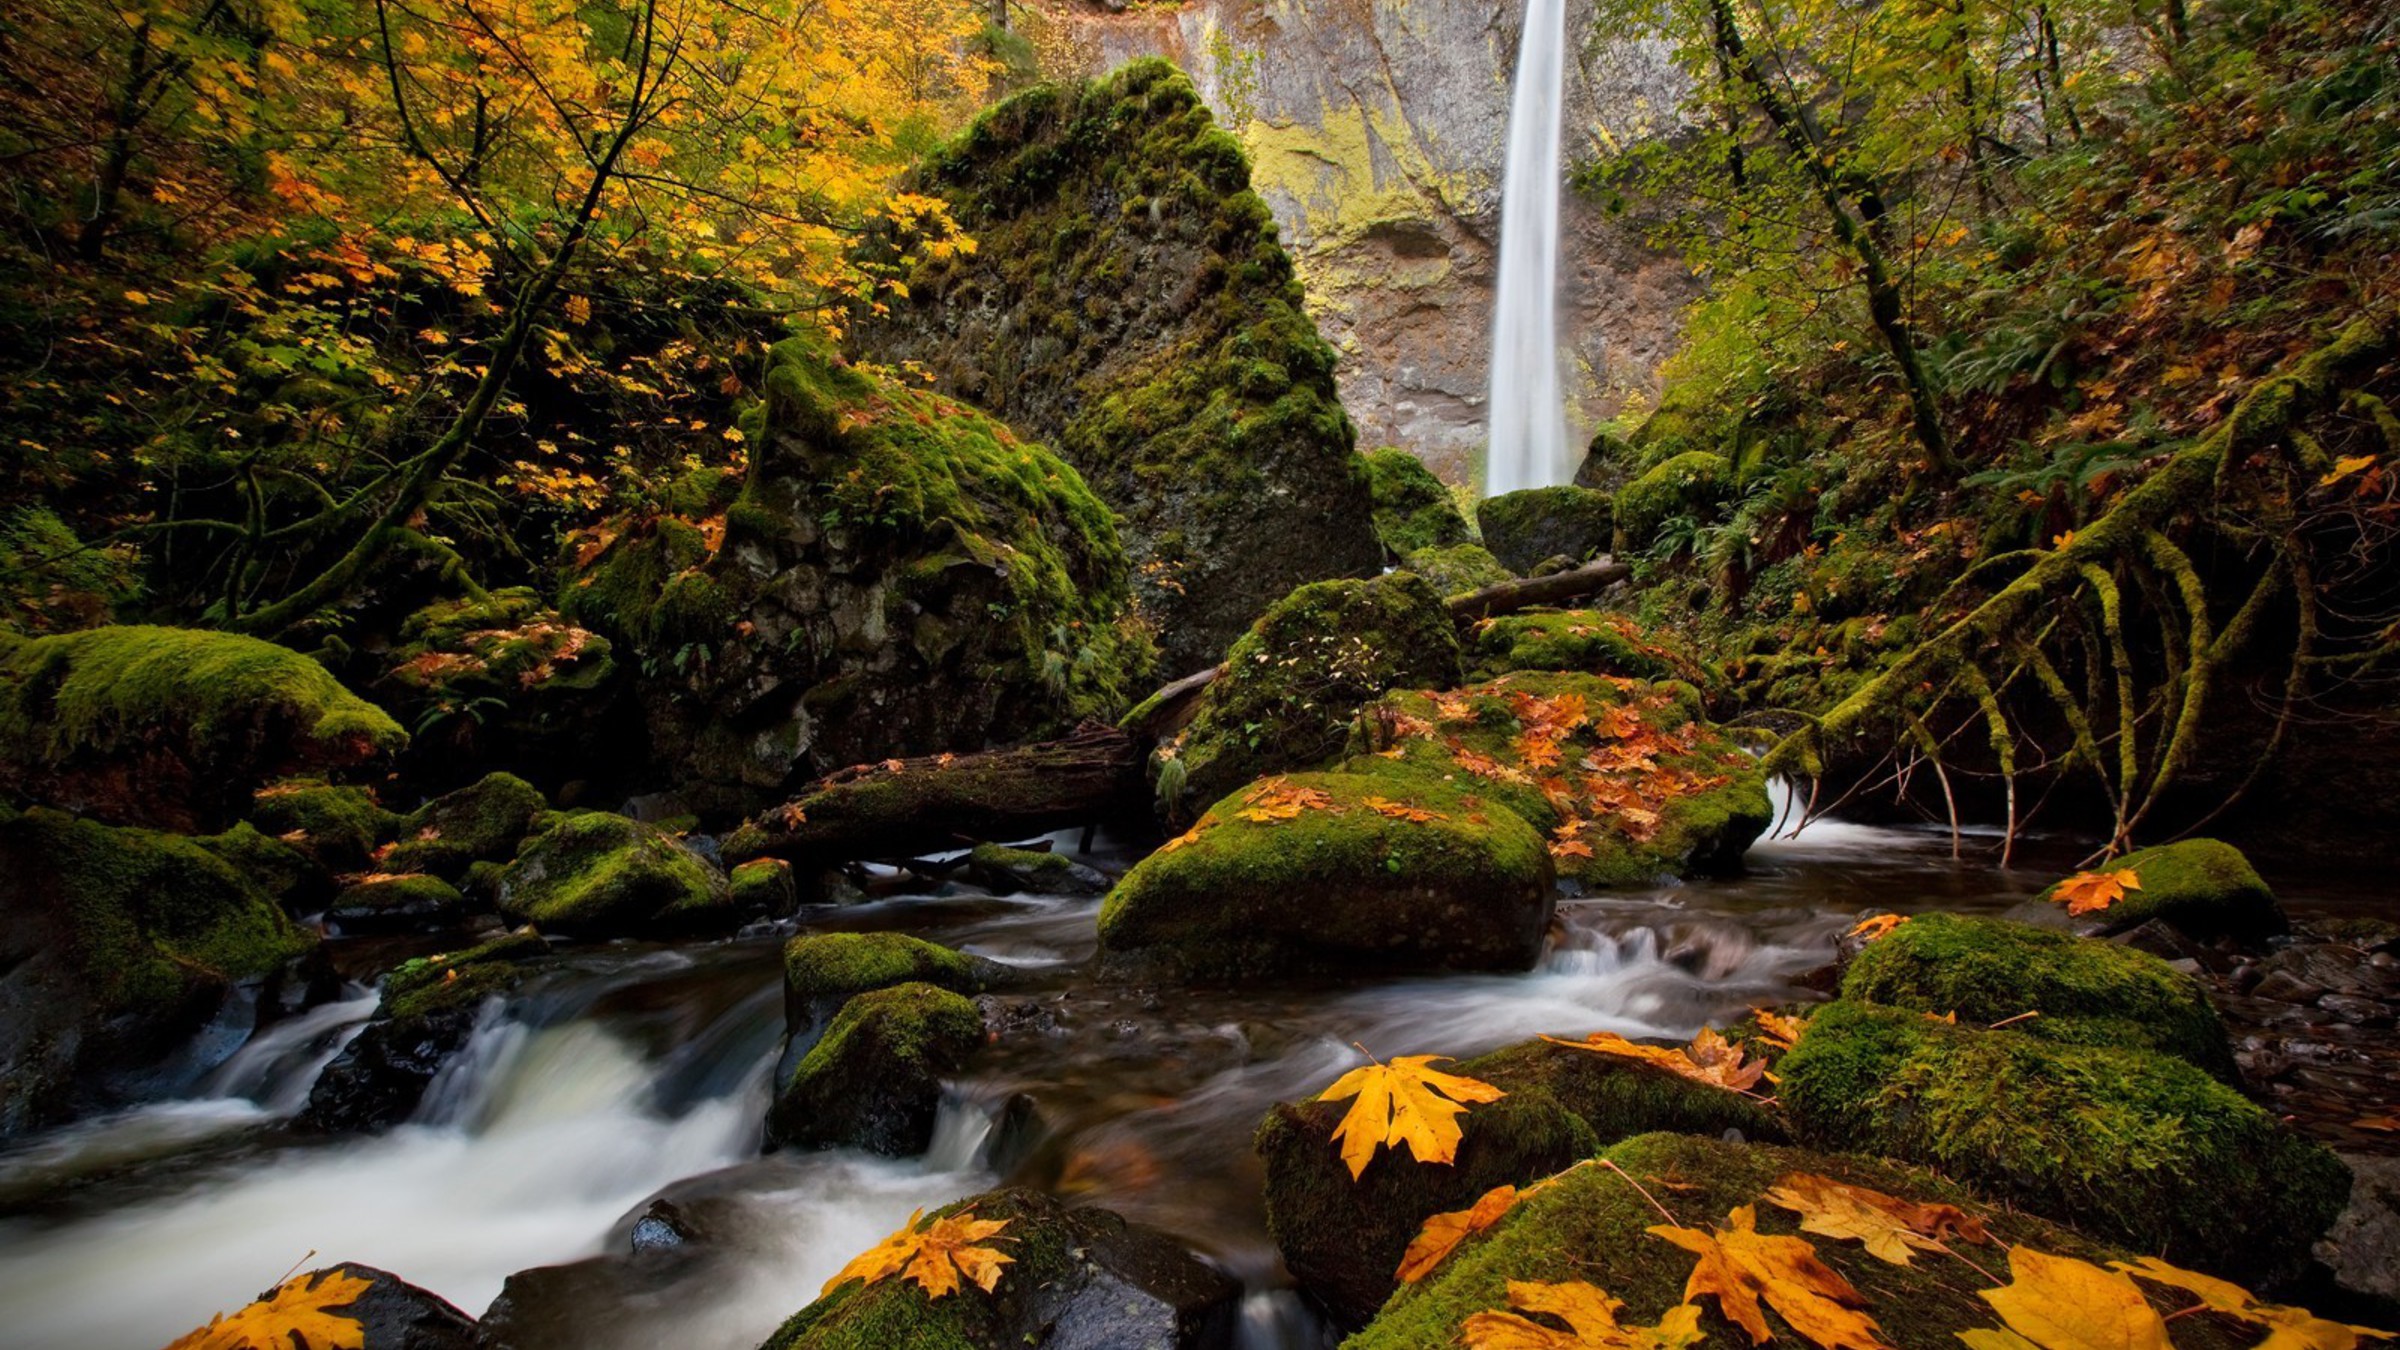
631,1072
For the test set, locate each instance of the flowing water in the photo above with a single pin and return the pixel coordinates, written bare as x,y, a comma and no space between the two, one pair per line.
1528,406
632,1072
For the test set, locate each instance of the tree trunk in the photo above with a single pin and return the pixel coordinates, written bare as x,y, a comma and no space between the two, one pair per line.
1510,596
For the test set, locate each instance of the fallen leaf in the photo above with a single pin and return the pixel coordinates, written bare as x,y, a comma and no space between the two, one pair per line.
2060,1303
1739,1266
2287,1328
1710,1058
2386,1124
1778,1028
934,1255
1590,1315
1892,1229
297,1311
2087,892
1403,1102
2342,468
1876,926
1385,806
1442,1233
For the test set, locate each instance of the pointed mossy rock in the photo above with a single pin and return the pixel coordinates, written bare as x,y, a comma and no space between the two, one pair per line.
1692,808
1128,302
1690,484
1294,682
340,827
1467,888
1582,641
173,727
1593,1226
116,945
1414,510
2204,887
900,575
874,1080
1457,568
1525,529
484,821
2129,1146
823,971
2079,991
1077,1279
598,875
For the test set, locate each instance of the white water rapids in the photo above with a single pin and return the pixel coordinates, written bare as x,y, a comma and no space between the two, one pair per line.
1528,446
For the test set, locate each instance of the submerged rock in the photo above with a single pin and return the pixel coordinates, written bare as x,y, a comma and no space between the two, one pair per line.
874,1079
1414,510
1524,529
2202,886
482,822
597,875
1078,1279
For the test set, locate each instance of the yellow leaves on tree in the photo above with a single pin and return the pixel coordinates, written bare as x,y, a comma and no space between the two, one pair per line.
1740,1266
1890,1228
935,1255
1710,1058
2089,892
1591,1319
1281,799
298,1315
1403,1102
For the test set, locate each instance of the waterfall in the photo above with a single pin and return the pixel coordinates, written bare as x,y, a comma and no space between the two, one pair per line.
1528,446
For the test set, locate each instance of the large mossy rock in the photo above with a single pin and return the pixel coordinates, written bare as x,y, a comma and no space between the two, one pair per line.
874,1079
482,822
901,575
1414,510
823,971
427,1013
1128,302
396,902
1382,872
1689,484
1457,569
1619,1098
117,945
173,727
1592,1226
1077,1279
1525,529
504,679
2130,1146
1295,681
1649,789
2202,886
598,875
339,826
2051,986
1582,641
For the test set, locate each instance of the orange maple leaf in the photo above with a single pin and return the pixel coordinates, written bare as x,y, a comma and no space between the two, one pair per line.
2087,892
1890,1228
1385,806
1591,1318
300,1309
934,1255
1710,1058
1779,1028
1442,1233
1403,1102
1739,1266
1875,926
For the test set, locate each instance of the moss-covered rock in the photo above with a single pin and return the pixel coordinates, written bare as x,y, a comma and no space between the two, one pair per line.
2202,886
1586,641
1076,1277
449,981
1026,871
1342,1238
1593,1226
823,971
765,886
1689,484
2129,1146
173,726
427,1014
340,827
1524,529
117,944
295,880
596,875
482,822
1294,682
1619,1098
1128,301
503,679
1414,510
1639,784
2080,991
1457,569
1399,873
874,1079
396,902
1608,463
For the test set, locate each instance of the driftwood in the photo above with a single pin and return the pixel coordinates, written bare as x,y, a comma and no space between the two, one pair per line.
903,807
1510,596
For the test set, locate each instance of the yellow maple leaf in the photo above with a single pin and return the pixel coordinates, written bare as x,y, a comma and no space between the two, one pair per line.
1739,1266
2342,468
1403,1102
933,1254
1779,1028
1710,1058
1890,1228
2287,1328
1876,925
1591,1317
2060,1303
1442,1233
300,1310
1385,806
2087,892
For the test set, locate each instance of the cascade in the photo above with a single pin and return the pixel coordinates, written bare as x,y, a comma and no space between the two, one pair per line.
1528,446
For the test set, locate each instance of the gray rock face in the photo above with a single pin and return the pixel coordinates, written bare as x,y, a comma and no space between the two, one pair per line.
2363,1250
1377,131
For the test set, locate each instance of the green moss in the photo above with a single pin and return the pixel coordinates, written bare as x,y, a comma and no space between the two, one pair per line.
1294,682
483,822
2134,1147
1688,484
600,875
396,900
1591,641
434,984
1620,1098
1414,510
1526,529
338,826
507,645
2202,886
2082,990
822,971
1019,859
874,1079
1467,888
1458,568
291,876
765,885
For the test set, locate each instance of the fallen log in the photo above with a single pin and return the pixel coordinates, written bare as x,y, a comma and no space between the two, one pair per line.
1507,597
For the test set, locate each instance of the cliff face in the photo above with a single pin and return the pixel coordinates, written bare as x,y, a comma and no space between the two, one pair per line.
1376,131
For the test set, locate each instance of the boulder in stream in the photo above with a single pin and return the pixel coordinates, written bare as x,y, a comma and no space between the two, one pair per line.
482,822
1526,528
1033,872
874,1079
594,874
396,902
823,971
2204,887
429,1009
339,826
389,1313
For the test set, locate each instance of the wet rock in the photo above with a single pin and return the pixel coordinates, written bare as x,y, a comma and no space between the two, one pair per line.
598,875
1620,1098
823,971
1028,872
2363,1247
392,1314
429,1010
408,902
1457,569
1414,511
2202,886
340,827
874,1079
768,886
1079,1279
1524,529
2307,972
483,822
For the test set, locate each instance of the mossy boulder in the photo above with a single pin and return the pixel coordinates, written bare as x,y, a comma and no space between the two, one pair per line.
598,875
2127,1145
503,678
1128,302
1294,682
1342,1238
823,971
1414,510
1593,1226
389,1313
340,827
1583,641
428,1012
1619,1098
1398,873
1689,484
874,1079
296,881
1457,568
1641,785
173,727
1608,462
1525,529
482,822
2204,887
396,902
1075,1278
1033,872
116,946
765,886
2079,991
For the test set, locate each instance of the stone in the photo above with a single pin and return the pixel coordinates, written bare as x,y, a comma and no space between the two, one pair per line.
874,1080
393,1314
1033,872
2203,886
1526,529
429,1010
340,827
1457,569
1689,484
1414,510
482,822
823,971
597,875
396,902
769,886
2362,1249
